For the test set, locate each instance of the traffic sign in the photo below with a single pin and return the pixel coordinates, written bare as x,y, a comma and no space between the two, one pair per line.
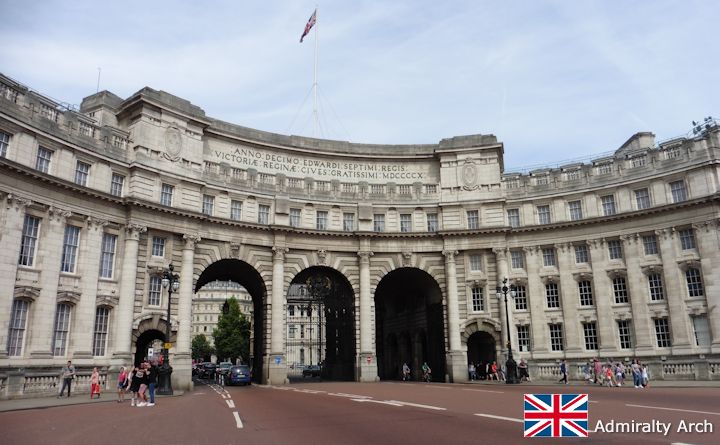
168,345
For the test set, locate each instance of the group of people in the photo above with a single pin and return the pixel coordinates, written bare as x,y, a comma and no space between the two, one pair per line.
67,375
426,372
486,371
614,374
140,382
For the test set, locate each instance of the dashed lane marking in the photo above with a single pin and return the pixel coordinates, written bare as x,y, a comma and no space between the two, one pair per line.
382,402
438,386
238,422
417,405
230,404
491,416
483,390
224,396
674,409
350,396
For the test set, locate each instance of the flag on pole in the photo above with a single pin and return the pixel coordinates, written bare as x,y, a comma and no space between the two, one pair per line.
308,27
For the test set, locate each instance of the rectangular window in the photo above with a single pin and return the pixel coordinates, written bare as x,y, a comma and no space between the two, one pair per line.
642,199
552,295
473,219
521,303
291,331
548,256
523,336
377,189
71,242
662,332
208,204
478,300
679,194
42,163
154,289
348,222
581,254
48,112
590,332
650,244
513,217
556,337
694,282
432,222
624,334
517,259
544,214
31,227
100,331
166,195
687,239
620,290
291,310
302,330
404,189
294,183
586,294
475,263
4,142
158,246
62,327
18,321
655,285
107,255
119,142
430,189
117,183
615,251
321,219
263,214
702,330
86,129
406,222
235,210
608,205
575,208
82,171
295,217
379,222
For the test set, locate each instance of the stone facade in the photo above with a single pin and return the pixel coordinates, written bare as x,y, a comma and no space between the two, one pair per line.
618,257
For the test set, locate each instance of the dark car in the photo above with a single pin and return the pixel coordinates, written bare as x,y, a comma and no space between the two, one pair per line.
239,375
311,371
223,368
208,370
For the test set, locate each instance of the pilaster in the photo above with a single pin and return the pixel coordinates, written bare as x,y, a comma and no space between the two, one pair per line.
536,300
569,301
674,292
277,366
368,359
637,282
126,303
708,241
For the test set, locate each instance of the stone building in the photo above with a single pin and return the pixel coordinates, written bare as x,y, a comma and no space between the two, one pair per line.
401,247
208,306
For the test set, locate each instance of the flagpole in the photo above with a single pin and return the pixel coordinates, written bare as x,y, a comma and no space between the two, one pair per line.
315,83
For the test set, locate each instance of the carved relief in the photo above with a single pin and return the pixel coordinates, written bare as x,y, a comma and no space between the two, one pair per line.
322,257
407,259
450,255
133,231
469,175
365,256
279,253
191,240
173,144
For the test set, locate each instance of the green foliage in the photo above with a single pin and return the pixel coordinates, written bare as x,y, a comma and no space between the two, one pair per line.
232,335
201,348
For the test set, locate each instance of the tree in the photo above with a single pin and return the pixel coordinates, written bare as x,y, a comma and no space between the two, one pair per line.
232,335
201,348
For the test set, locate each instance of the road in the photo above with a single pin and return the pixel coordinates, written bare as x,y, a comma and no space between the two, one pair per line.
359,413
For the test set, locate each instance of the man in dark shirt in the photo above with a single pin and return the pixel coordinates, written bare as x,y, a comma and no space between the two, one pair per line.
152,381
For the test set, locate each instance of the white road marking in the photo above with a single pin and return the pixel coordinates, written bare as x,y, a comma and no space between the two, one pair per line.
350,396
680,443
198,393
310,391
417,405
225,396
382,402
238,422
674,409
230,404
438,386
482,390
511,419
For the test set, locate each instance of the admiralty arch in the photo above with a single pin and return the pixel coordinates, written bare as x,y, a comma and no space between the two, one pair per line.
399,247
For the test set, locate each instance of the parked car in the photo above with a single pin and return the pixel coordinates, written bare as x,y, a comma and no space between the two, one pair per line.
239,375
311,371
223,368
208,370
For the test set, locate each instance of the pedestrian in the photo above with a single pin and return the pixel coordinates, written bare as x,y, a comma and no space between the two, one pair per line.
563,371
637,373
523,370
598,371
405,372
67,375
609,376
95,383
152,381
494,371
586,372
122,384
471,371
645,376
619,373
141,378
134,386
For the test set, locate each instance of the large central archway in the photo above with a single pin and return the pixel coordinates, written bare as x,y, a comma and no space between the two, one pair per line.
244,274
409,324
320,325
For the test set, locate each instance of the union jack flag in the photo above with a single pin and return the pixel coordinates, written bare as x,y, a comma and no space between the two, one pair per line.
309,25
556,415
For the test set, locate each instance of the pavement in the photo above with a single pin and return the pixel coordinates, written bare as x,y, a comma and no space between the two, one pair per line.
110,397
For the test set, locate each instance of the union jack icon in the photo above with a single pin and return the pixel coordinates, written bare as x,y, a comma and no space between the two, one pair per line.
556,415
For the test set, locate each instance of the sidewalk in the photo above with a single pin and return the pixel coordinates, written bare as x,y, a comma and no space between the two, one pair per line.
628,384
51,402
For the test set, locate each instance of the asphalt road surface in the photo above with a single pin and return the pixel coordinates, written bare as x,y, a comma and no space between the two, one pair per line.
363,413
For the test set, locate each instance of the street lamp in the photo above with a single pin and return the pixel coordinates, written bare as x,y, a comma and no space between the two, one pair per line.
171,282
510,365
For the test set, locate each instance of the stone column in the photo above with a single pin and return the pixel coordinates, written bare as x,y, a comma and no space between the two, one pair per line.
368,361
637,283
502,272
675,292
604,298
569,302
49,256
539,343
277,366
456,358
10,241
182,364
708,242
89,267
126,304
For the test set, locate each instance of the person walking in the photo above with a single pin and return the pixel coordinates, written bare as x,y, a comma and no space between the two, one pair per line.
494,371
141,378
134,386
471,371
152,373
405,372
95,383
637,374
563,371
122,384
67,375
598,371
523,370
645,377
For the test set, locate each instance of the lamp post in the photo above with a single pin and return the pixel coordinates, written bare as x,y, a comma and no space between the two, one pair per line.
171,282
510,365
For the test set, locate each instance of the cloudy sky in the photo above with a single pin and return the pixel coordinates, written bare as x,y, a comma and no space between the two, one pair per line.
553,80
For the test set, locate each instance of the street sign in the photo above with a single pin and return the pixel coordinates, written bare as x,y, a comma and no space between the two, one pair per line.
150,352
167,345
277,360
